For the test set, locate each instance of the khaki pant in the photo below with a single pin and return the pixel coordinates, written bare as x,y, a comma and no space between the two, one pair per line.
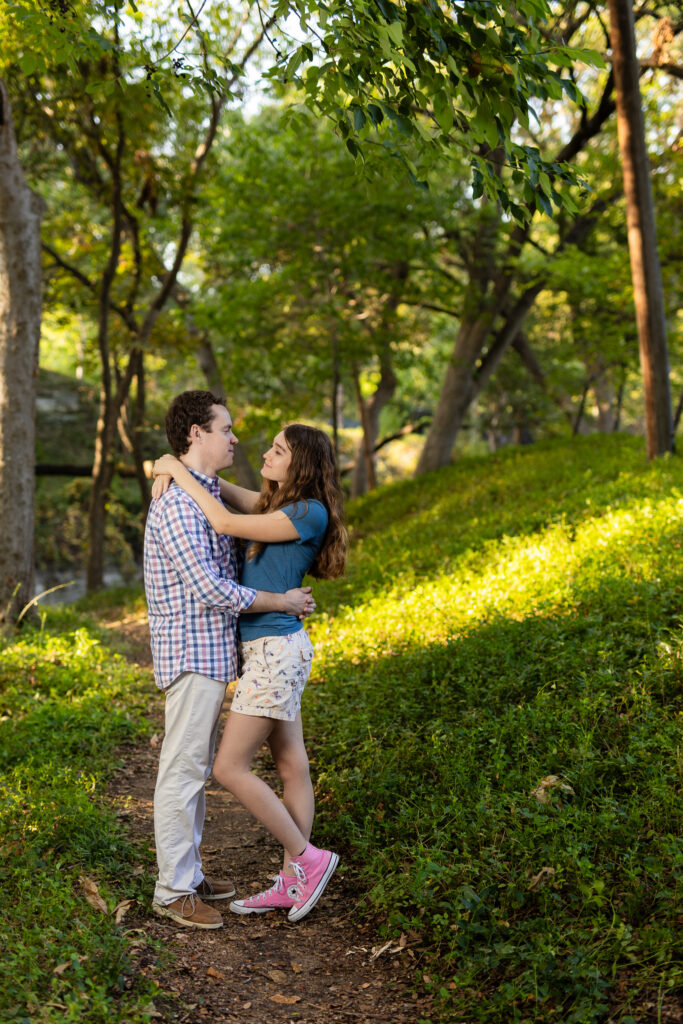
193,707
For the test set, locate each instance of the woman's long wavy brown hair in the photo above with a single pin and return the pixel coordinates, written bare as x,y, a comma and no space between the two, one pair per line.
312,475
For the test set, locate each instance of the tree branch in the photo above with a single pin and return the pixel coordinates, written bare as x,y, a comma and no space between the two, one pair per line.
121,311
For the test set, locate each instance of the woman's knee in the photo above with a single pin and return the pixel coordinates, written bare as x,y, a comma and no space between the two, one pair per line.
292,764
227,772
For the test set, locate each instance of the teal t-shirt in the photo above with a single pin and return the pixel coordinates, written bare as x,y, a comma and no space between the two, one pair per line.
279,567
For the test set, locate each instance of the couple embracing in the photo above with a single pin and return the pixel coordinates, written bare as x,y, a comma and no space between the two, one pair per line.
198,586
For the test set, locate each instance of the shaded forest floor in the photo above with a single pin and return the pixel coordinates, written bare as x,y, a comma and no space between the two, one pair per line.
331,968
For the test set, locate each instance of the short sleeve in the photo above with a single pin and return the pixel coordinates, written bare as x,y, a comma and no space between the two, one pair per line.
309,518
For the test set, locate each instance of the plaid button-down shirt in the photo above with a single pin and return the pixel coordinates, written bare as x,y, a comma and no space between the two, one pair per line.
192,592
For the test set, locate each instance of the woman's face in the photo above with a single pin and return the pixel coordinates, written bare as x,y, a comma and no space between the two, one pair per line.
276,460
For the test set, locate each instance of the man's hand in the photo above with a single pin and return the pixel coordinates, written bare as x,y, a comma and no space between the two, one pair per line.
299,602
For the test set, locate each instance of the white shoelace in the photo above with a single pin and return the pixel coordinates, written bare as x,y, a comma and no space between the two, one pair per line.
300,877
278,887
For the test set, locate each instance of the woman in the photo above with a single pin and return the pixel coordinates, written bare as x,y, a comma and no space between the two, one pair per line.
295,526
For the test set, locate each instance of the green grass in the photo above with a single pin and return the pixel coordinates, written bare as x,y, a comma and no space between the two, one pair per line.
507,619
66,702
510,618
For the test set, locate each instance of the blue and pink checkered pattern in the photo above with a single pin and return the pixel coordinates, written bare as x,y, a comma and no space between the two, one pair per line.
192,594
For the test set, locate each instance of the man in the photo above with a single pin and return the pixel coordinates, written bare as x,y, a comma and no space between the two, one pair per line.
194,600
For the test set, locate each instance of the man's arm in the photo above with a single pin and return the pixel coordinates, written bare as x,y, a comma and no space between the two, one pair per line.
299,602
186,543
183,535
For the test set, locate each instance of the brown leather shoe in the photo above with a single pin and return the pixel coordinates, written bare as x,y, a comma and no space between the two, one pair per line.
190,912
212,889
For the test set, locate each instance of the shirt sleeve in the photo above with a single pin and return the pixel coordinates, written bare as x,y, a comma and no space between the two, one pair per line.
309,518
186,544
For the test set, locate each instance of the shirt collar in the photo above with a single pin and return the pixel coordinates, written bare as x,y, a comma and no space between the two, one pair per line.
211,483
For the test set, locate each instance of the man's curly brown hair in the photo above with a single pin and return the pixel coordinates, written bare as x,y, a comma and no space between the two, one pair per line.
186,409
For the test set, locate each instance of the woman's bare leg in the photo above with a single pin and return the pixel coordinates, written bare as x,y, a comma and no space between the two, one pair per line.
286,742
242,737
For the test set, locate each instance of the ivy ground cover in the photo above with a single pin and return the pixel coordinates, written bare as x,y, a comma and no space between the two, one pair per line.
496,727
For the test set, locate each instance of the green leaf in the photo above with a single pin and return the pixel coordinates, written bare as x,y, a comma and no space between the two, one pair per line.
543,201
592,57
28,63
395,30
375,114
443,111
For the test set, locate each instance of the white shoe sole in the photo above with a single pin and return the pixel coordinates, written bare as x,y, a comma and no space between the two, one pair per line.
161,911
296,913
238,908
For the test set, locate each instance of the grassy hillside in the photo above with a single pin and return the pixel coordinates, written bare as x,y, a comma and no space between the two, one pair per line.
495,724
509,619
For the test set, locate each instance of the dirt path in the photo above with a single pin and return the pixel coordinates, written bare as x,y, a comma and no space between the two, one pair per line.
330,968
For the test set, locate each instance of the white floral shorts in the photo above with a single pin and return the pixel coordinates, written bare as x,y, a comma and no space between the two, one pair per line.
275,670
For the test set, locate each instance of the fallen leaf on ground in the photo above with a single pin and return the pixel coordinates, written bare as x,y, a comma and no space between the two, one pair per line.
378,950
389,947
60,968
285,1000
154,740
151,1010
121,909
279,977
92,894
213,973
544,875
544,790
297,968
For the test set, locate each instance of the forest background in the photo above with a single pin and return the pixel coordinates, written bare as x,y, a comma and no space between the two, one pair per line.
407,223
428,257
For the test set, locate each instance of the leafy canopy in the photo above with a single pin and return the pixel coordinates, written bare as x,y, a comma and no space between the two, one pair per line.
436,75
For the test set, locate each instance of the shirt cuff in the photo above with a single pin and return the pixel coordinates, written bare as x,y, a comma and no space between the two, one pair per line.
247,596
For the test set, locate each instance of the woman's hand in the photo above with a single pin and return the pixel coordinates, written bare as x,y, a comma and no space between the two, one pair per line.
163,472
161,484
166,466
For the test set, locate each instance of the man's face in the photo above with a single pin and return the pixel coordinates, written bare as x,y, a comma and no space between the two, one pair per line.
218,441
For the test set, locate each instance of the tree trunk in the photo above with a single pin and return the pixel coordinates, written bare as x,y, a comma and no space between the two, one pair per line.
456,395
363,477
242,468
103,465
336,396
20,308
458,390
603,393
485,300
467,375
642,235
131,431
536,372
